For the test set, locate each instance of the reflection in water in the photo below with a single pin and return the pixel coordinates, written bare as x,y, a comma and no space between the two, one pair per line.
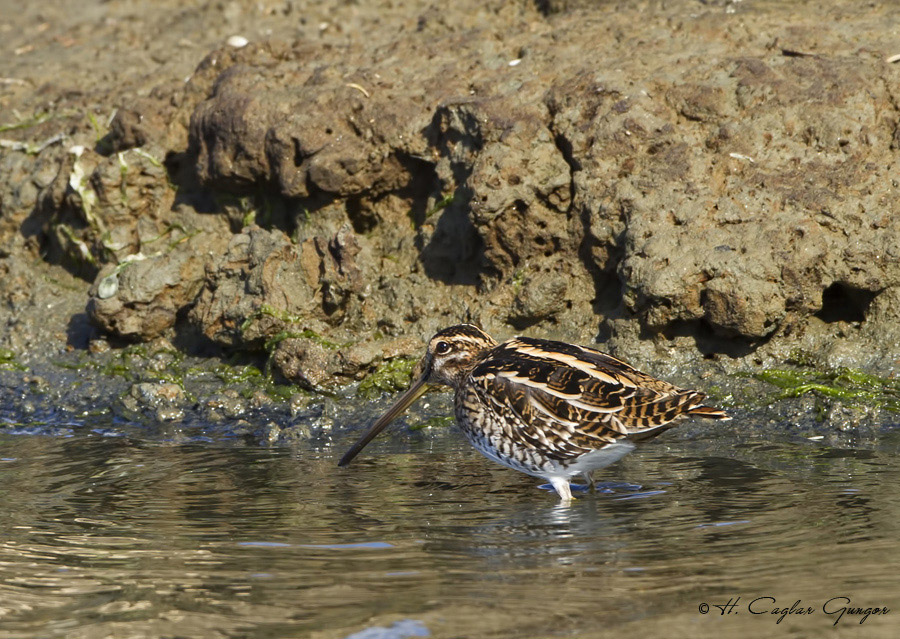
118,537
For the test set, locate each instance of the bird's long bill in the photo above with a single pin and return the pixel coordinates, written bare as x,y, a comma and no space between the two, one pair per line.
412,394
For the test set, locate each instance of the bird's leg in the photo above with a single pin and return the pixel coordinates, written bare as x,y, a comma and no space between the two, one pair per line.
561,486
589,477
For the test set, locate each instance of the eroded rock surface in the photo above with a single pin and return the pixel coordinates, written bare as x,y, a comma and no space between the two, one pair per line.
669,177
141,299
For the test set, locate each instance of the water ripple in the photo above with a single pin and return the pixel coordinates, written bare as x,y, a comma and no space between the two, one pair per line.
109,536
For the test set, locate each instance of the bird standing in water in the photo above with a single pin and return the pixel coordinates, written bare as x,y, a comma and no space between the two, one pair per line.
549,409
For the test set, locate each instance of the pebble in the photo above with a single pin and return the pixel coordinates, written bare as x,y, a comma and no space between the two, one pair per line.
97,346
152,393
169,414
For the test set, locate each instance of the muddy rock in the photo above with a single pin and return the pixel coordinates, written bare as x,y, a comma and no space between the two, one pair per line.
521,192
849,418
320,133
140,299
826,341
157,394
540,295
264,284
155,122
727,311
768,242
258,267
307,362
332,263
320,365
98,210
163,400
41,309
226,405
677,178
714,202
26,176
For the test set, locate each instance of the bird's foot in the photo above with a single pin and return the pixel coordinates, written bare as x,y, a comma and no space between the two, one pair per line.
604,487
608,487
562,488
575,488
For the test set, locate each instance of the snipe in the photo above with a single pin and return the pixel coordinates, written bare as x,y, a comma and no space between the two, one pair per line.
549,409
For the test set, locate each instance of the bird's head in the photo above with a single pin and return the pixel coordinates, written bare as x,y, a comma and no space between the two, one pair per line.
452,353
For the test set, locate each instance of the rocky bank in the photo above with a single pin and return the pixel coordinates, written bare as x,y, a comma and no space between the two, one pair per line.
676,180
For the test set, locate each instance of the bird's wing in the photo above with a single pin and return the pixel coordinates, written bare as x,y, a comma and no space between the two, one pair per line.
568,400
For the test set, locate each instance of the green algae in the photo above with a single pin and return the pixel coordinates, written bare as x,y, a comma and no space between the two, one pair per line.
418,217
234,375
137,363
842,384
518,279
169,229
8,361
282,392
441,204
132,363
252,379
152,160
306,333
99,133
260,208
287,318
265,309
440,421
28,122
392,376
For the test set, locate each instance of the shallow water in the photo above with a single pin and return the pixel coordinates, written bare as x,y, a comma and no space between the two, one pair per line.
129,537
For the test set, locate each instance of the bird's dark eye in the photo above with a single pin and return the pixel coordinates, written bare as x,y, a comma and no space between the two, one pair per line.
442,348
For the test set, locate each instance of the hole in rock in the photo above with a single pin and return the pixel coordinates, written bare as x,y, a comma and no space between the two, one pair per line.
844,303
